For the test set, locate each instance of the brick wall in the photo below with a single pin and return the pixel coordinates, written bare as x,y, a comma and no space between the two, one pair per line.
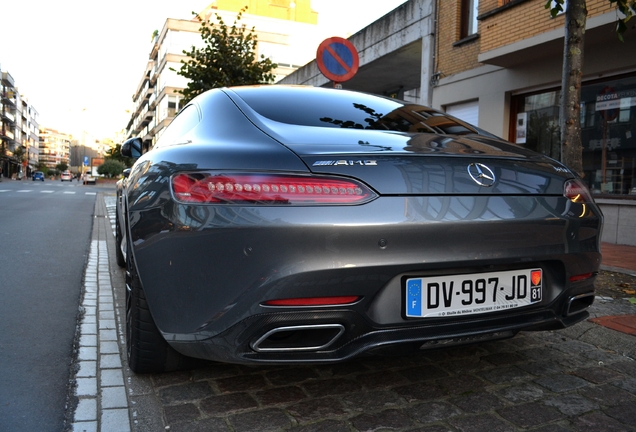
525,20
451,58
520,21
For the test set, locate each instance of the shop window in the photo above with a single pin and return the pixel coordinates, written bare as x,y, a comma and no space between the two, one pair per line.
608,131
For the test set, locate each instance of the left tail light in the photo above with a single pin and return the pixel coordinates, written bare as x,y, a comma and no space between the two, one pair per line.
264,188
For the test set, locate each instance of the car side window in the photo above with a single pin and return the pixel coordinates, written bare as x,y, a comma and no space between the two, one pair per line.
187,119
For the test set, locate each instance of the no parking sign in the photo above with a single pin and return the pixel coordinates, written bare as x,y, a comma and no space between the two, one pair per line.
337,59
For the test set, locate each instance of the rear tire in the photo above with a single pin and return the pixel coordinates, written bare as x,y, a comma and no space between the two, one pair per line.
121,260
146,349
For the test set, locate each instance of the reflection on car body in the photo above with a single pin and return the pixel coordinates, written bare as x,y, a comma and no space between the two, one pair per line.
275,224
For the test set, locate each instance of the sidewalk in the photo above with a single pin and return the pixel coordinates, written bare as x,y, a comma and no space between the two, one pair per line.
619,258
109,397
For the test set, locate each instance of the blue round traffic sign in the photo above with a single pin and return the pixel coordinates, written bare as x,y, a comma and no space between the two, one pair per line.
337,59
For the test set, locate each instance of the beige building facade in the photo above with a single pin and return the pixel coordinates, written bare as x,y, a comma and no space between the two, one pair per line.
55,147
19,130
283,27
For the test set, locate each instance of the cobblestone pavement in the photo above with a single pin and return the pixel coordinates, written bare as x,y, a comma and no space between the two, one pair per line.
579,379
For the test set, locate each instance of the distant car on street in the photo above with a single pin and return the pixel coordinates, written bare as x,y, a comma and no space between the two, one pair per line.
66,176
38,175
89,178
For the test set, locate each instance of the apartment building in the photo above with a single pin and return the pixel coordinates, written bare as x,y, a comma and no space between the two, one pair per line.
284,29
55,147
498,64
18,130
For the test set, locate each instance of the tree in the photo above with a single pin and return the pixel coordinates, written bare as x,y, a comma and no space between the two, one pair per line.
228,58
114,153
62,166
18,154
111,168
574,38
42,167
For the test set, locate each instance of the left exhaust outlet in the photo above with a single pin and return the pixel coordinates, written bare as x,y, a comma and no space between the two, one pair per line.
299,338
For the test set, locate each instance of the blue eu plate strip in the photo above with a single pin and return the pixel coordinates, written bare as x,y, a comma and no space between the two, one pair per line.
414,298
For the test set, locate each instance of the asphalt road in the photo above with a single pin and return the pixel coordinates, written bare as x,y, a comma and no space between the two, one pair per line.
45,230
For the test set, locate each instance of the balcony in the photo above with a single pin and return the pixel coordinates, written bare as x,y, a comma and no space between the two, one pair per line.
7,134
7,79
8,98
524,47
8,117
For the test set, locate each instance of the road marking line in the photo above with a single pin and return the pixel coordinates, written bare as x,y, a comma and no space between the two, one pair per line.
70,193
24,190
47,191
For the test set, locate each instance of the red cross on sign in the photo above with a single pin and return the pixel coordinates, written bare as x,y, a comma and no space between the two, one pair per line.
337,59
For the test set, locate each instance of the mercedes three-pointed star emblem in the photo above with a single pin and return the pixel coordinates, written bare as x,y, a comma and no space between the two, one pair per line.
481,174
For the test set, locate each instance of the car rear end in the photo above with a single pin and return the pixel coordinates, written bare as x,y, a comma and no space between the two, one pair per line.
387,241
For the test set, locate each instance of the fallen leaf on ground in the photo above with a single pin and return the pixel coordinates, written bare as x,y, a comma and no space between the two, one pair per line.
630,292
632,300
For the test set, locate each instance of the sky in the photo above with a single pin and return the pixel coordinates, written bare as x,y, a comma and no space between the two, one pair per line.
78,62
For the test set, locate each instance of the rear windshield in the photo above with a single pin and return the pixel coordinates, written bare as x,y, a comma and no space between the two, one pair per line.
345,109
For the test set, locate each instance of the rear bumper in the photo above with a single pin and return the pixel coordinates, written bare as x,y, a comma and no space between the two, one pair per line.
302,332
206,270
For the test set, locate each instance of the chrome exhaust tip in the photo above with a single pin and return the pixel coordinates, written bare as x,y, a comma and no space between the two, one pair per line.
299,338
579,303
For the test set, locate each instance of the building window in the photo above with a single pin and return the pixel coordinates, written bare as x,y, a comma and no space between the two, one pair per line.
469,12
608,125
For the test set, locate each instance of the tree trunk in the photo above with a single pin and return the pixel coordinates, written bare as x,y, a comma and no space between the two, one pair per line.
570,110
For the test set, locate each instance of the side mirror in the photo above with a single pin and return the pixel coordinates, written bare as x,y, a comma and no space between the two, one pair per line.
131,148
126,172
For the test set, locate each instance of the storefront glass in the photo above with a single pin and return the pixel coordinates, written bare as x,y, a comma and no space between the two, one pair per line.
608,129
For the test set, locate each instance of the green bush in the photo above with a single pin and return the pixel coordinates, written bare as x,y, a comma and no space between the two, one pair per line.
111,168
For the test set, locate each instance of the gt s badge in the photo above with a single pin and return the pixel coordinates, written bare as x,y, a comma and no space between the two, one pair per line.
346,162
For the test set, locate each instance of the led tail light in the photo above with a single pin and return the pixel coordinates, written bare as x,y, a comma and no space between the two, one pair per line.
211,188
576,191
313,301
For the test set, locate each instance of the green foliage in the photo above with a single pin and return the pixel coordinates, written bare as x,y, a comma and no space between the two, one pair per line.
627,9
42,167
62,166
18,154
111,168
114,153
228,58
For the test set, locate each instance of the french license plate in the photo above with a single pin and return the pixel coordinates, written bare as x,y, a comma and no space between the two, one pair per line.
470,294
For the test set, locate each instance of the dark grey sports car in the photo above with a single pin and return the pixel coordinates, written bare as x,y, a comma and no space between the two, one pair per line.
277,224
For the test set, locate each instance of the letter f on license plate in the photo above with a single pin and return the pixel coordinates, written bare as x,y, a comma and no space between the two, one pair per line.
414,297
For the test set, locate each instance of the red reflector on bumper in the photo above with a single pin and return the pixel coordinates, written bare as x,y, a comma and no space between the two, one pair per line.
581,277
313,301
